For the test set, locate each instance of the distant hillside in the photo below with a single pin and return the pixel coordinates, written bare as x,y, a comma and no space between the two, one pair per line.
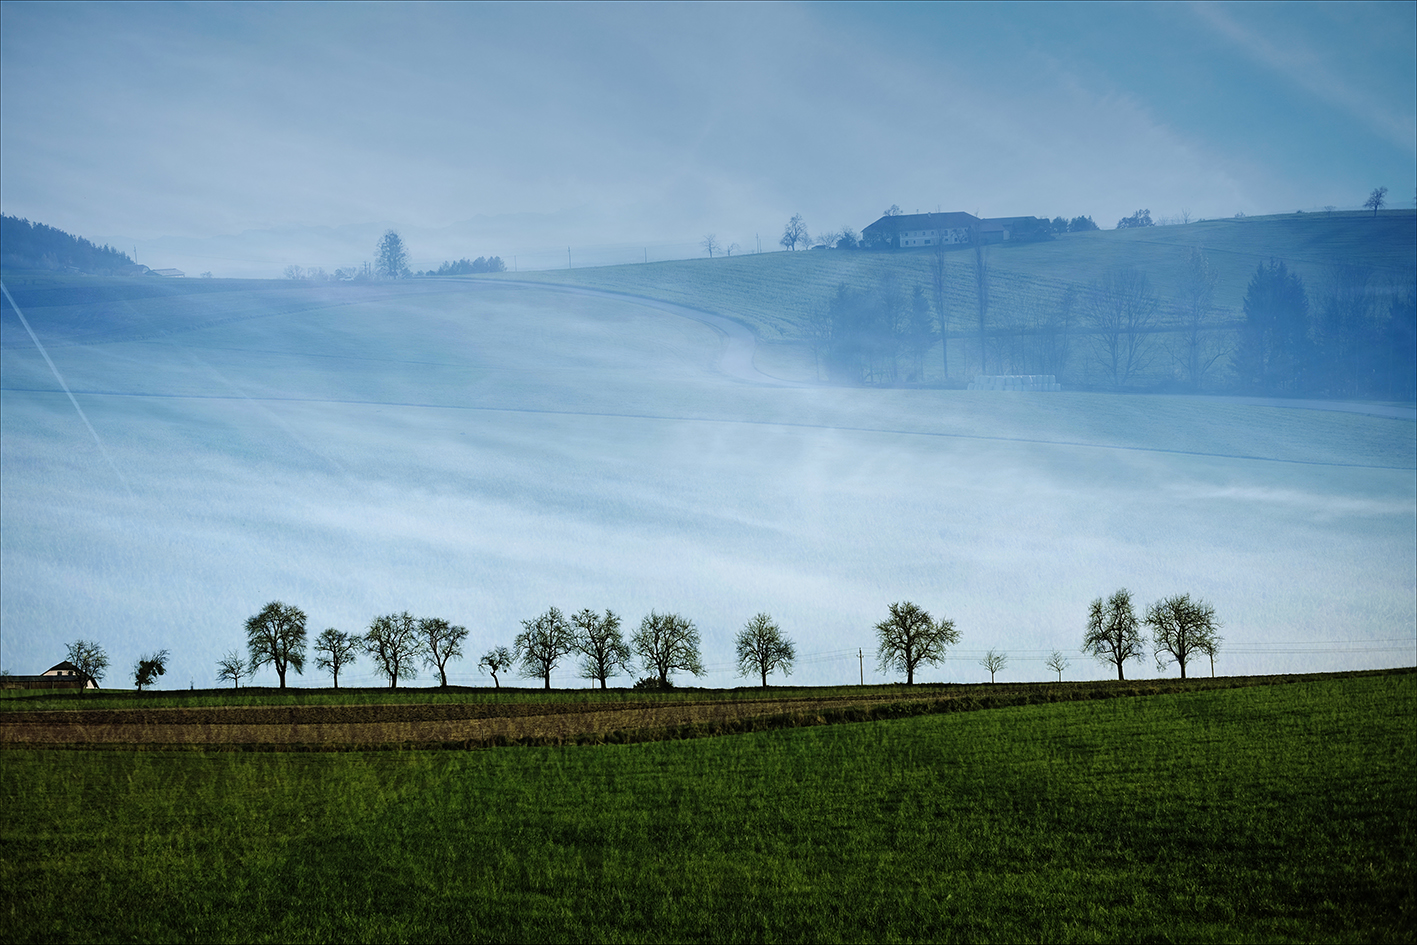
26,245
779,294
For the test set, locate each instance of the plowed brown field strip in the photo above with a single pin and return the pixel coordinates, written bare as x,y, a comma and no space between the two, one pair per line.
389,724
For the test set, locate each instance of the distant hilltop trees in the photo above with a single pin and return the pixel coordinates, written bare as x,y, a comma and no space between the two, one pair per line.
464,267
29,245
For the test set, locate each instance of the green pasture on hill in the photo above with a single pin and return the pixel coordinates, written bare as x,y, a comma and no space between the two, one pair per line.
776,293
1269,813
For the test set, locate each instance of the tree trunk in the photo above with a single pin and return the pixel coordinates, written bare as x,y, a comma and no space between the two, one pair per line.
765,679
1119,669
548,679
602,682
1183,668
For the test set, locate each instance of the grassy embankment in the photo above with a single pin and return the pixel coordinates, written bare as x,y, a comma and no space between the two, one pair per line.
776,293
1268,813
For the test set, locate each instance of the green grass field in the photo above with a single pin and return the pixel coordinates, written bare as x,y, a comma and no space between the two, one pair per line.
1268,813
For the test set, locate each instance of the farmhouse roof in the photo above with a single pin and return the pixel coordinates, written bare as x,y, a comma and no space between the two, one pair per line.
953,220
65,668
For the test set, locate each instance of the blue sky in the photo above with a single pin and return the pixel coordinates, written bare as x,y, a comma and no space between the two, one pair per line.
523,128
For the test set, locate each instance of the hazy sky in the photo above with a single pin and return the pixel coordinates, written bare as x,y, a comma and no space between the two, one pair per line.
601,124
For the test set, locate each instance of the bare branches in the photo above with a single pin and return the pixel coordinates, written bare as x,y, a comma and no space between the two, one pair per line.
393,643
599,640
542,643
233,667
496,660
441,642
1112,634
911,638
1122,311
90,659
795,232
994,661
762,648
666,643
1182,628
334,650
276,636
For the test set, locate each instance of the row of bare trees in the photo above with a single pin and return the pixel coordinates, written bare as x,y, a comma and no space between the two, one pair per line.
664,644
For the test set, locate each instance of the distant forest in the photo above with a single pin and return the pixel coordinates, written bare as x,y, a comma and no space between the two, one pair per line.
26,245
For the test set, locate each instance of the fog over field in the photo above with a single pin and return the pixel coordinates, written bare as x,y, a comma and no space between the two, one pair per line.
398,425
482,452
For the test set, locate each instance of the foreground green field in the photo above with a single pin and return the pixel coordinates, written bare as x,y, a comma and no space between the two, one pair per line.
1257,814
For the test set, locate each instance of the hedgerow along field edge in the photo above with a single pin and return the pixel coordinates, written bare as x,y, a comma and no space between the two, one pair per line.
1271,813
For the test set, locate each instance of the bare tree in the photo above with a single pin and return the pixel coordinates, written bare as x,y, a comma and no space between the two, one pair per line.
730,249
919,333
334,650
1196,352
1181,628
795,232
1377,200
542,643
1055,330
711,244
1122,311
233,667
668,643
937,283
394,644
1057,662
994,661
90,659
276,636
441,642
1112,634
828,239
911,638
762,648
981,296
496,660
604,649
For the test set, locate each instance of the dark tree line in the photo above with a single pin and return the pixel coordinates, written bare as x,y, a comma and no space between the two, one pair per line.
37,246
878,336
466,267
1356,338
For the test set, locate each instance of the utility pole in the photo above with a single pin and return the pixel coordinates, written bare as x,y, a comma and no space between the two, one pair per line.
514,264
646,254
861,658
568,257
